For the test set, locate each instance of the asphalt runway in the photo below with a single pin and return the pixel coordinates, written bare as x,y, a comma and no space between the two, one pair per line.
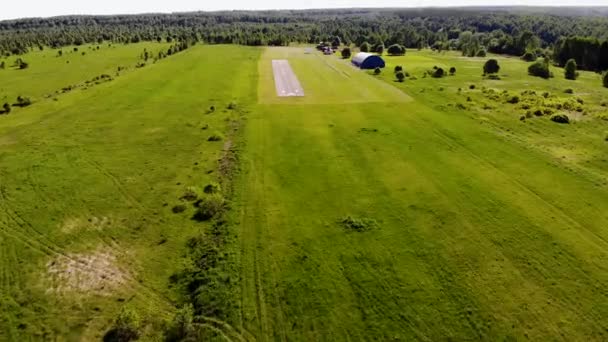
285,81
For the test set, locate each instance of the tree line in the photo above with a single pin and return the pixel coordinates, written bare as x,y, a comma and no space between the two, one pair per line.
514,31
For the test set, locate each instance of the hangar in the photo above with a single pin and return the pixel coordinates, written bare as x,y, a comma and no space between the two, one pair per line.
365,60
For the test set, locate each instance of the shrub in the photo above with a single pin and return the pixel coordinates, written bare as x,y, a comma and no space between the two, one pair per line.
180,208
481,53
570,70
191,194
452,71
398,68
216,137
400,76
560,118
513,99
358,224
438,73
605,79
569,91
181,327
379,49
2,65
491,67
209,206
472,86
377,71
396,50
6,108
232,105
529,56
212,188
346,53
540,69
126,327
23,101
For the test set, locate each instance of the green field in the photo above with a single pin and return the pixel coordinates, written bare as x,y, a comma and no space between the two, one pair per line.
477,225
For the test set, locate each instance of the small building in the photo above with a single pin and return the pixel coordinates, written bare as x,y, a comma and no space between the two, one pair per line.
366,60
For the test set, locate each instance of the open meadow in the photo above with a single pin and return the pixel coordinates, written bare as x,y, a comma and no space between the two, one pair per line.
368,209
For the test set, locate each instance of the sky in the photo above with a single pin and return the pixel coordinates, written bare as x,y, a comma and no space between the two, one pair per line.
47,8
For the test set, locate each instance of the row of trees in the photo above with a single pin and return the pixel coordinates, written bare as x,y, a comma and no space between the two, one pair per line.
474,31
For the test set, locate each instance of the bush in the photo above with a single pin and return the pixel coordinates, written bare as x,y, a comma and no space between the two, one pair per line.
357,224
216,137
513,99
452,71
377,71
209,206
560,118
2,65
605,80
529,56
126,327
398,68
181,327
438,73
23,101
6,108
346,53
491,67
540,69
400,76
570,70
396,50
180,208
569,91
481,53
379,49
472,86
212,188
191,194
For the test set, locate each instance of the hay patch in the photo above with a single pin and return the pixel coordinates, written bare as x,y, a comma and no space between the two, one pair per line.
95,273
76,224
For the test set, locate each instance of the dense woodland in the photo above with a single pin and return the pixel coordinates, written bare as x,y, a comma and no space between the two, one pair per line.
559,33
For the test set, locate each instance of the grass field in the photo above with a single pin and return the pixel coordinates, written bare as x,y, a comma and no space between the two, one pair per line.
468,224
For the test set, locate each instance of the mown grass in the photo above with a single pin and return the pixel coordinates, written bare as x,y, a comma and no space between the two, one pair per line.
481,232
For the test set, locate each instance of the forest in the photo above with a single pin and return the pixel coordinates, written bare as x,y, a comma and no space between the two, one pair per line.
561,33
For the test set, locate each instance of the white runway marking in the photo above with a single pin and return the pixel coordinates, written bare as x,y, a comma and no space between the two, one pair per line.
285,81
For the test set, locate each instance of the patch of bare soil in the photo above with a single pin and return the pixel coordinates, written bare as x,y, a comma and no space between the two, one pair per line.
95,273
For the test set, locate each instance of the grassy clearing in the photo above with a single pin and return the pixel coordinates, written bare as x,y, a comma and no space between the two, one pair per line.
92,179
481,234
362,212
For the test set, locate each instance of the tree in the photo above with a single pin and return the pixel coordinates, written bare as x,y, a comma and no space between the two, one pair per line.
529,56
336,42
398,68
481,53
400,76
570,70
377,71
540,69
2,65
379,49
452,71
438,73
396,50
605,80
346,53
6,108
365,47
491,67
